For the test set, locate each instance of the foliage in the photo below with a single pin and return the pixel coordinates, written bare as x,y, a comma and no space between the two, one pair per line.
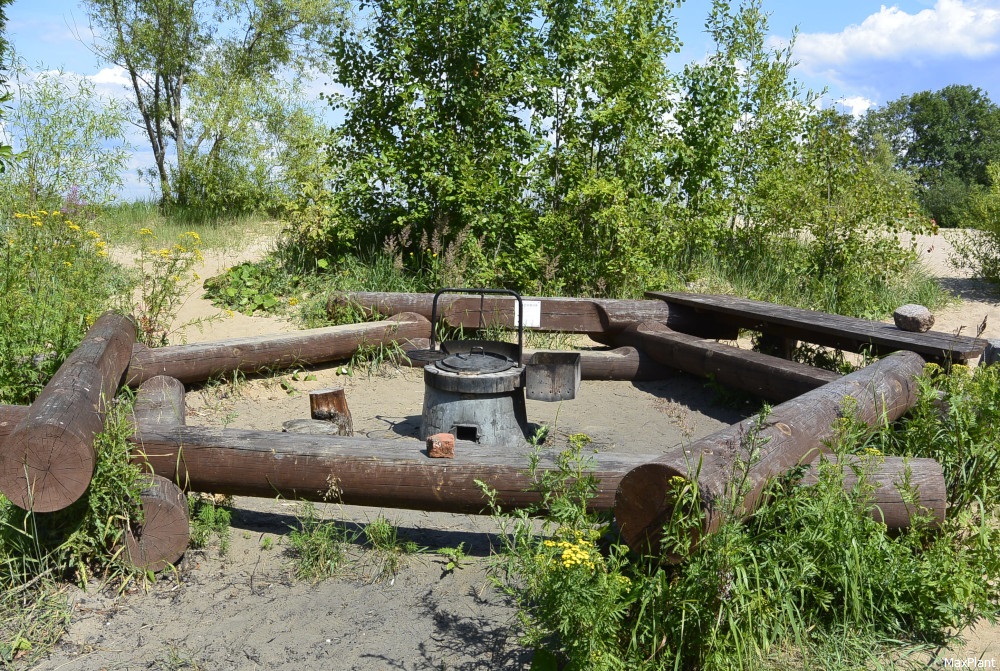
785,586
978,249
247,287
6,153
67,139
389,550
946,137
202,73
56,280
848,208
210,517
86,539
164,274
318,547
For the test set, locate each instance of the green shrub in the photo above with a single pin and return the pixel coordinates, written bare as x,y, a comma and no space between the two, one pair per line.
809,579
56,280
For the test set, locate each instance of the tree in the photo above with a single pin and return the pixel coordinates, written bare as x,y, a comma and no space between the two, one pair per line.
215,51
68,140
947,138
5,150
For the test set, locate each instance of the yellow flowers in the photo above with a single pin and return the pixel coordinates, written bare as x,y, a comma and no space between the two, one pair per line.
578,552
145,231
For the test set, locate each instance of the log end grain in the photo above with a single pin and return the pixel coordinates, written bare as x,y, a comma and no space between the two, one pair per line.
47,478
162,538
644,503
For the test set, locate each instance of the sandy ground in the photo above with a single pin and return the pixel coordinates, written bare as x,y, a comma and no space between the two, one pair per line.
243,609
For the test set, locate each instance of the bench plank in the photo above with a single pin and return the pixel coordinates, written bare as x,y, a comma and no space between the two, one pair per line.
822,328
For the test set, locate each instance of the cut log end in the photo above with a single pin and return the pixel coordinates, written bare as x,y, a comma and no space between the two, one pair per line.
644,503
45,480
162,538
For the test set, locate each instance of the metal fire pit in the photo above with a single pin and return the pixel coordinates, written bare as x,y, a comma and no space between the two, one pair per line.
475,389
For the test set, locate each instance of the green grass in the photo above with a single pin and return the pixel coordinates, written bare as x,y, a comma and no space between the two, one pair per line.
38,552
121,223
318,547
810,579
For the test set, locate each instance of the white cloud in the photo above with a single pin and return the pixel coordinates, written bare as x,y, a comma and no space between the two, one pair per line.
968,29
856,106
115,76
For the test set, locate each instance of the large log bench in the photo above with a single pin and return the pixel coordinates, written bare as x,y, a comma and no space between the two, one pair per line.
821,328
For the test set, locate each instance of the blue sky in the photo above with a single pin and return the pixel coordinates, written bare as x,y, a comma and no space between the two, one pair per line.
862,53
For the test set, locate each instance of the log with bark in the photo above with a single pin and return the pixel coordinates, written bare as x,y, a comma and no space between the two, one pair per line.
732,466
198,362
48,460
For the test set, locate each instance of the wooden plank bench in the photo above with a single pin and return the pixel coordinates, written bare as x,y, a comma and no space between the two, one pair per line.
821,328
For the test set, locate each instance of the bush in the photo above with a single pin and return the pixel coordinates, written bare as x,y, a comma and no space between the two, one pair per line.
978,248
56,280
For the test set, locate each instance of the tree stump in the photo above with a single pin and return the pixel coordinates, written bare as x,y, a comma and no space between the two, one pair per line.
330,405
162,538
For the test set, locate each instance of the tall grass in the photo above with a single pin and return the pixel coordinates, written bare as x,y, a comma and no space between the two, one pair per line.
810,579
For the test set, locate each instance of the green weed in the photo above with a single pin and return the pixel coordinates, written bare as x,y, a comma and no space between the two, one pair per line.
383,538
317,546
210,519
456,558
809,579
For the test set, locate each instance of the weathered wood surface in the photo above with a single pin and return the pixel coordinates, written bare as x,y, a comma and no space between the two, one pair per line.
48,459
198,362
162,538
886,476
159,401
620,363
567,315
769,377
888,506
331,405
793,433
10,415
847,333
388,473
399,474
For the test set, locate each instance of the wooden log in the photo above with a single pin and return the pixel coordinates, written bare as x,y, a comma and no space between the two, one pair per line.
48,459
594,316
331,405
769,377
887,476
198,362
159,401
888,506
360,471
734,464
400,474
162,538
847,333
10,415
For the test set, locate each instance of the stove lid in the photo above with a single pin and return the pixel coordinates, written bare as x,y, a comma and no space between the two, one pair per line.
475,362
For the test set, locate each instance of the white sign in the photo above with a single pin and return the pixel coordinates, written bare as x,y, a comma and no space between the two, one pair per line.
532,314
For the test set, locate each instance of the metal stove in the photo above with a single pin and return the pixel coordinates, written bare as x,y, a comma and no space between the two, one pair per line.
475,389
